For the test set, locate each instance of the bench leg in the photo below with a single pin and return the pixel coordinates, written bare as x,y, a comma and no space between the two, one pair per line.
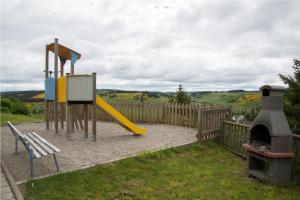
31,164
16,145
55,160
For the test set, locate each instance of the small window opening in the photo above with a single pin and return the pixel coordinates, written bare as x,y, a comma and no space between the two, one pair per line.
266,92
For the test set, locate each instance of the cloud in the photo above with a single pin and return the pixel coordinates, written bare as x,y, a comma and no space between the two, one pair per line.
153,45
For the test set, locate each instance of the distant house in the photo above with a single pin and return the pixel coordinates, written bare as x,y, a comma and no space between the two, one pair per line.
239,118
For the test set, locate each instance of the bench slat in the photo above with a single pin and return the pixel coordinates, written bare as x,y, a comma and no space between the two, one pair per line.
54,148
36,146
35,153
40,143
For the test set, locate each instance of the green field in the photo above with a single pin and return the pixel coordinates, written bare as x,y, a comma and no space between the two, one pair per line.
221,98
230,99
197,171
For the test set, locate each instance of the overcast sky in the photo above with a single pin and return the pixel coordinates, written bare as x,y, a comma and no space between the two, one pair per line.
153,45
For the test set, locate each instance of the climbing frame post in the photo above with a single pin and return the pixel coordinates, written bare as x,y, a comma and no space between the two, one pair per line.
94,108
56,85
86,125
46,76
62,63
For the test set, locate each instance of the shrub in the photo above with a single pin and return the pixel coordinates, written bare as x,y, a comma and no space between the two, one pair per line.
6,104
14,106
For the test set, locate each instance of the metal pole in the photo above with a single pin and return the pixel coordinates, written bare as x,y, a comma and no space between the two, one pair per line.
67,110
94,108
31,164
56,83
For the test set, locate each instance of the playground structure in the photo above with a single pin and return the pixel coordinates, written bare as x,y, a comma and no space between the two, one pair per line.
64,95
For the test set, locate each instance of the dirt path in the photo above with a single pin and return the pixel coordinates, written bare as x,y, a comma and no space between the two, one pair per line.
113,143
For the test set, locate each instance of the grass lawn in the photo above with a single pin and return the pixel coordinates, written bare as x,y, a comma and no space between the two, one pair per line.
16,118
197,171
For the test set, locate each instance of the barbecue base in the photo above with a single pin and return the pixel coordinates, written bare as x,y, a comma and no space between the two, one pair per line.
275,170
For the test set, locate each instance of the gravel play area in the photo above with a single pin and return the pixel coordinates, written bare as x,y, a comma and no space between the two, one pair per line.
113,143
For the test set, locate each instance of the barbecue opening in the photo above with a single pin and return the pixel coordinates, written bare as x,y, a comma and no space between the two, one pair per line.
260,136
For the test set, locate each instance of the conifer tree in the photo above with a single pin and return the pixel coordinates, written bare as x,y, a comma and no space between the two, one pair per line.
292,97
181,96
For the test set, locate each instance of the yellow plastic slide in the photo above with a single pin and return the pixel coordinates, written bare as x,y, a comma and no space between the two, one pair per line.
121,119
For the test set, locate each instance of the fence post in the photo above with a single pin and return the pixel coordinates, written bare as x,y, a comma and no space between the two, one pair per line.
143,112
221,133
229,117
199,127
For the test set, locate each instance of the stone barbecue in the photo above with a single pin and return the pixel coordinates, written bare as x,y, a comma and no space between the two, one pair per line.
270,143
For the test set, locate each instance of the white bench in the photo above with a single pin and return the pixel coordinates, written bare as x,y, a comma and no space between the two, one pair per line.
36,146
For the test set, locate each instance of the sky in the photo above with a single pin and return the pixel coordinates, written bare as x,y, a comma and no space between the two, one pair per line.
152,44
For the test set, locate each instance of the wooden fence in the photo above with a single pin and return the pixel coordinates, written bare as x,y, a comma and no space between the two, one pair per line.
185,115
233,135
210,122
207,119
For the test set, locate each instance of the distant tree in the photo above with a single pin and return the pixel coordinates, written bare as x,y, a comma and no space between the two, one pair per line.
181,96
292,97
143,97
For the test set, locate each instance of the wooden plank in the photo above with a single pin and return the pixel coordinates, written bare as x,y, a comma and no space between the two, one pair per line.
227,129
225,133
236,147
159,113
241,141
168,114
230,134
76,123
199,125
46,142
176,114
173,114
234,123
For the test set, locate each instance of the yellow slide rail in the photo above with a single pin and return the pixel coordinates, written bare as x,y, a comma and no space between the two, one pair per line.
121,119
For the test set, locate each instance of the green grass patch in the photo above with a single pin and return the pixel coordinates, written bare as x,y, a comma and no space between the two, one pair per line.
197,171
17,118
